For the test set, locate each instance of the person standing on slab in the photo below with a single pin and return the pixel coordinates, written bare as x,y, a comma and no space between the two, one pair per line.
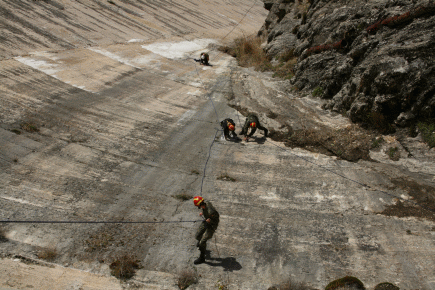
208,226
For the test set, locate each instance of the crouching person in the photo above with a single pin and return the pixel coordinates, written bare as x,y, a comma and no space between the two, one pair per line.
251,124
229,128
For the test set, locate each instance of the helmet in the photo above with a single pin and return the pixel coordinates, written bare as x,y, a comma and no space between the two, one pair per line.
253,125
231,127
197,200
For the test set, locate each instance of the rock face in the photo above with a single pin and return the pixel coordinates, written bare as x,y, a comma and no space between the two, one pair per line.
373,60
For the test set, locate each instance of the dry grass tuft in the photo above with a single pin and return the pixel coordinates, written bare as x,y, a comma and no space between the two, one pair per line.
182,196
124,266
187,278
290,285
226,177
29,127
48,254
348,281
99,241
3,237
249,53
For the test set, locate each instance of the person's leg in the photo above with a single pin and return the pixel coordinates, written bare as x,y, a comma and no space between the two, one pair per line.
208,234
200,232
263,129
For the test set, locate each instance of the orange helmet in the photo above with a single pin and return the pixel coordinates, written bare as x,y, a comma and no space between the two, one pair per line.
231,127
253,125
197,200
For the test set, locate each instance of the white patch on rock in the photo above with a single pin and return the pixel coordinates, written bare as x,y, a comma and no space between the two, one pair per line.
135,40
44,66
177,50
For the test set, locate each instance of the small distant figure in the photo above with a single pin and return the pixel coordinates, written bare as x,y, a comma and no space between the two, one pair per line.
204,58
208,226
251,124
229,128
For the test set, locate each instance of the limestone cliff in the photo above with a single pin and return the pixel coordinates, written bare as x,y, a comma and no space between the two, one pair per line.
372,60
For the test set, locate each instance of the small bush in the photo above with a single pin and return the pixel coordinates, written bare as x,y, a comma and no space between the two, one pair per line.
187,278
346,281
386,286
124,266
182,196
16,131
48,254
99,241
194,171
428,133
393,153
290,285
226,177
29,127
377,142
317,92
379,122
3,235
249,53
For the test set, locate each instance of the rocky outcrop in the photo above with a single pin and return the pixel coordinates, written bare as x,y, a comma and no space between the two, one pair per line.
373,60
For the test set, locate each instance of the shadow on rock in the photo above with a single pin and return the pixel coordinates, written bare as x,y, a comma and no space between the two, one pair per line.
260,140
229,264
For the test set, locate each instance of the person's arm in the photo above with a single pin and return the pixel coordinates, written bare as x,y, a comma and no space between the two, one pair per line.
245,128
212,215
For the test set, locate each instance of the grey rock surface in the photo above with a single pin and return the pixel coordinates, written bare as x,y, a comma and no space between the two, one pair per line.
375,58
117,130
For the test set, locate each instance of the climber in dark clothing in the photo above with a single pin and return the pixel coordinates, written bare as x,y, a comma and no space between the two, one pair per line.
229,128
207,227
203,59
252,123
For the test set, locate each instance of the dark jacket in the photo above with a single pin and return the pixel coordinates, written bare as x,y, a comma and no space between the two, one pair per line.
209,212
250,119
224,125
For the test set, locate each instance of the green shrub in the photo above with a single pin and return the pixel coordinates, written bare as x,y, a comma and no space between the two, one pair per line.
345,281
386,286
377,142
393,153
29,127
428,133
317,92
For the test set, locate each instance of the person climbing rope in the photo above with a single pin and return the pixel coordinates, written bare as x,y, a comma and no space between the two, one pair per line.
229,128
208,226
252,123
204,58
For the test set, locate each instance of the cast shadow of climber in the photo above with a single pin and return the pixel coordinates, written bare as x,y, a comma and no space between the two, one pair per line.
260,140
229,264
198,60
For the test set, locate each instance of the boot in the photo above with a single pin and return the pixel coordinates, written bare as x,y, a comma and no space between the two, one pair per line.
201,259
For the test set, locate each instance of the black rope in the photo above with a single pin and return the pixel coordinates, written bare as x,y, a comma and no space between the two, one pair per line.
208,157
95,222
